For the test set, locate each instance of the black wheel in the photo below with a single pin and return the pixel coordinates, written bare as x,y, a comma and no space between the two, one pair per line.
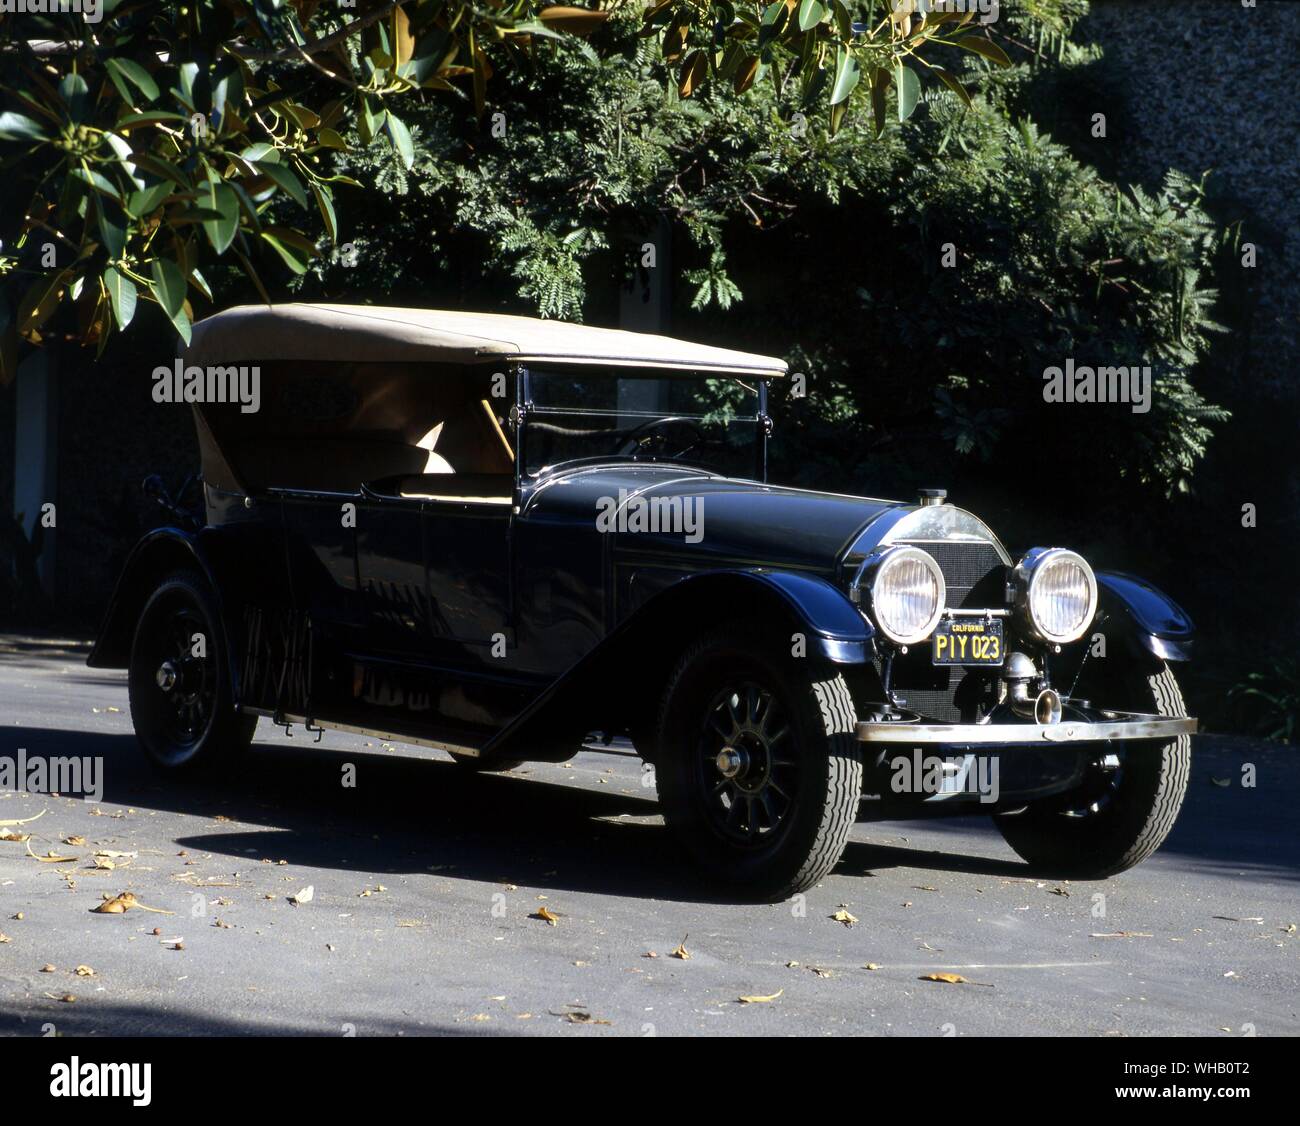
1124,810
476,765
759,772
179,686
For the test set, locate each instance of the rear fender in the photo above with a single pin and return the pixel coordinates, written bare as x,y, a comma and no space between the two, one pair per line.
235,562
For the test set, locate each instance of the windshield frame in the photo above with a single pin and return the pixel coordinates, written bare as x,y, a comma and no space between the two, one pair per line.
527,408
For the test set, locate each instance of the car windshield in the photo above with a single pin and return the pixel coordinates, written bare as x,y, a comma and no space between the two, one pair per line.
693,419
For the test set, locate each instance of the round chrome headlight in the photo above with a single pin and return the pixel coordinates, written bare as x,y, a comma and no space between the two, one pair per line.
907,594
1057,593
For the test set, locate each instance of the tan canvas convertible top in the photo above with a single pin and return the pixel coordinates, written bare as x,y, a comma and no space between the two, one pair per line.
253,333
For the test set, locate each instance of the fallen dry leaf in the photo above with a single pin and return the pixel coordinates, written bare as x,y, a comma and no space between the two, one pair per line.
842,915
11,835
48,968
50,857
583,1018
545,914
4,937
84,971
753,999
680,951
75,841
872,966
116,905
24,820
306,895
953,979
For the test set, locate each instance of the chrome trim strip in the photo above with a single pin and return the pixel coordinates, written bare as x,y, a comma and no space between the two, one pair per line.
328,725
1067,731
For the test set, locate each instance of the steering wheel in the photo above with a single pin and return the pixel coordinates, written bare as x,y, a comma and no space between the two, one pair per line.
639,437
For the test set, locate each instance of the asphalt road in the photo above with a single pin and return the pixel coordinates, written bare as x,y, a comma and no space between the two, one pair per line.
427,880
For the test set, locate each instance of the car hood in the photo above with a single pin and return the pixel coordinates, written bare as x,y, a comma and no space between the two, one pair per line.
667,510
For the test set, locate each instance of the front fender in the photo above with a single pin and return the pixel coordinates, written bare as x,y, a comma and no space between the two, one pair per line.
619,682
834,627
1150,618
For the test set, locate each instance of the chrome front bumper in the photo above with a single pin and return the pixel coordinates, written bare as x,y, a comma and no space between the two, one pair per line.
1115,726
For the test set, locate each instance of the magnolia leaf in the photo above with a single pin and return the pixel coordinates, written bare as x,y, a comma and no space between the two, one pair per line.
220,198
325,204
16,127
811,13
746,72
909,90
401,138
261,153
122,71
694,73
293,257
986,47
576,21
847,74
285,178
951,82
121,294
168,286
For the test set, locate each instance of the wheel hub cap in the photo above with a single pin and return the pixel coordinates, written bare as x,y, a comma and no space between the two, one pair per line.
732,762
167,676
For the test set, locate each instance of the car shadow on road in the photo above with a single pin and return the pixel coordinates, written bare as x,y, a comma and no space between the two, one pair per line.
122,1019
414,815
411,815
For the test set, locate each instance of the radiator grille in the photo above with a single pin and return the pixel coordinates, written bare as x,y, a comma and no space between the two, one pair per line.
976,578
969,568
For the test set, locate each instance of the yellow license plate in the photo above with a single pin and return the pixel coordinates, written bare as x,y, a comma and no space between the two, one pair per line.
968,641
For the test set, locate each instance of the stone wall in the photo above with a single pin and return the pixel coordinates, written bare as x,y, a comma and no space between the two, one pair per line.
1210,85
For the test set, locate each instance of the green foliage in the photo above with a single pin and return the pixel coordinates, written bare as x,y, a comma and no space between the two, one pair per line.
1269,701
810,231
170,135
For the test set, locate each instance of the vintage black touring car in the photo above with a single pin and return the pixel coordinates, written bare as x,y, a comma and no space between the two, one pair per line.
503,537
